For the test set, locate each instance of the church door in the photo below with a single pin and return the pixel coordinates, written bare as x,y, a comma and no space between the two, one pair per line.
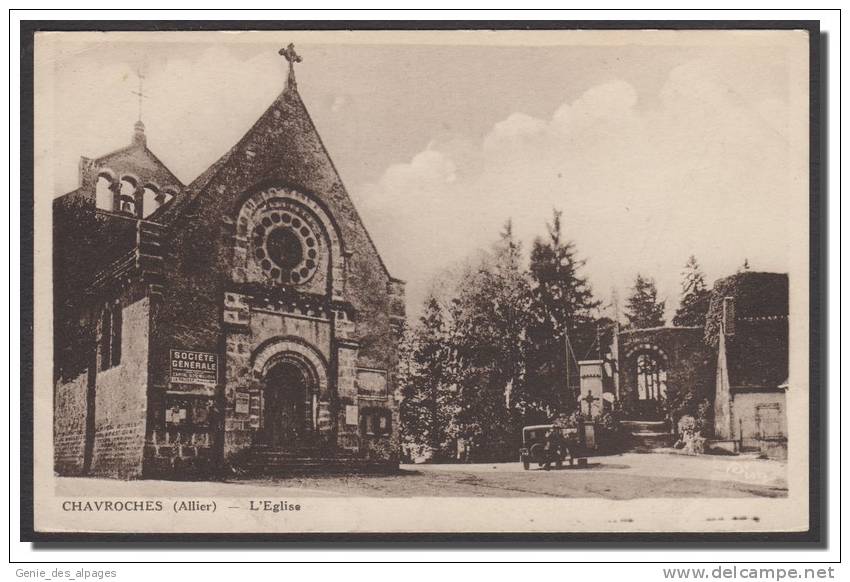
285,418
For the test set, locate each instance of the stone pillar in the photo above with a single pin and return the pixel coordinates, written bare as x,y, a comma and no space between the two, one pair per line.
590,373
116,195
723,396
242,405
139,202
348,432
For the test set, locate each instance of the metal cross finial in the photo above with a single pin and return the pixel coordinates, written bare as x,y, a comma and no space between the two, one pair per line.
141,94
290,55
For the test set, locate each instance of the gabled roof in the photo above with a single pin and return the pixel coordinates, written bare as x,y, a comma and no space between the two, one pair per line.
155,163
136,160
282,145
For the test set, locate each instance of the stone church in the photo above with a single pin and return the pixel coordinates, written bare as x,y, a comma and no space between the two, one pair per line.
244,322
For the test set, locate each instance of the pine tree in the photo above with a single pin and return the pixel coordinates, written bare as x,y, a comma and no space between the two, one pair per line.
643,309
562,320
694,302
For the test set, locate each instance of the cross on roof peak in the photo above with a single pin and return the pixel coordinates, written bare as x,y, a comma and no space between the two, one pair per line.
292,57
140,93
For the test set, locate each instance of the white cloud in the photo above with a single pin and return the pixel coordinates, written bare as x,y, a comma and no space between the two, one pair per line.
645,175
702,171
187,98
340,102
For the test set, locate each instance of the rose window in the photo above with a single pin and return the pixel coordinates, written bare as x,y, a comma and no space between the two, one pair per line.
286,247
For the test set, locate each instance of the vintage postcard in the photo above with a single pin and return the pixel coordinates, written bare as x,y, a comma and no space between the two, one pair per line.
413,281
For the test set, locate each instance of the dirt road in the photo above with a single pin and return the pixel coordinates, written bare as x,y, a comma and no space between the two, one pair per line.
627,476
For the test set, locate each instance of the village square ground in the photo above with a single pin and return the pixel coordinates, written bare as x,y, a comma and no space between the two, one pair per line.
625,476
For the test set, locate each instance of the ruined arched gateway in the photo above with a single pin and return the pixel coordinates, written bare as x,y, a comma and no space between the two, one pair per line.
247,313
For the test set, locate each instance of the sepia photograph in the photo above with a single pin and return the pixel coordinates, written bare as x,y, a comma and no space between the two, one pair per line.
422,281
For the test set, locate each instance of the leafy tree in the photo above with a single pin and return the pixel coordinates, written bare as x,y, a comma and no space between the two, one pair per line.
409,410
643,308
490,318
562,309
512,296
425,377
490,356
693,305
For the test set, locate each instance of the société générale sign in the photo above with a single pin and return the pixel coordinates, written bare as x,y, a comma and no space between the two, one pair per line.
189,367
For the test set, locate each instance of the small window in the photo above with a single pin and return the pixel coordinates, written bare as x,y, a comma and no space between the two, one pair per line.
117,329
375,422
106,339
110,336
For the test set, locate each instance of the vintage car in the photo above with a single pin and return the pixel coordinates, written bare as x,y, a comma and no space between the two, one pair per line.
563,445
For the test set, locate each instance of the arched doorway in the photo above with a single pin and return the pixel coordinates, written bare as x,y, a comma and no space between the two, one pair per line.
288,404
649,369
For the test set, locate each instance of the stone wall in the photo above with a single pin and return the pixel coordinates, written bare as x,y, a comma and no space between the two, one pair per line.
69,425
212,302
121,400
684,355
178,453
282,150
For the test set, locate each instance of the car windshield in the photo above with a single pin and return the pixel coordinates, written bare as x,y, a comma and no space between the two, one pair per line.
534,435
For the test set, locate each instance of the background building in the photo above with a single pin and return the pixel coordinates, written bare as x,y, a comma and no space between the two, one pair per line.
730,374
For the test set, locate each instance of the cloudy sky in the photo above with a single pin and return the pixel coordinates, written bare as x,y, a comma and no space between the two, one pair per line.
654,145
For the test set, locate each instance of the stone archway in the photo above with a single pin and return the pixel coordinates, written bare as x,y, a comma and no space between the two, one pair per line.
293,382
289,402
647,364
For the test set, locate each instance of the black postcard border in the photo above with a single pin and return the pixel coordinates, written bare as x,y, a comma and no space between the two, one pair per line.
813,538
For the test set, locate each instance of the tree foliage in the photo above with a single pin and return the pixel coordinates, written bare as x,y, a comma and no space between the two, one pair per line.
425,373
562,309
487,359
643,308
490,318
694,301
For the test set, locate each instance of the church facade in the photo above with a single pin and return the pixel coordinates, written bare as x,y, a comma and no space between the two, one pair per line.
244,321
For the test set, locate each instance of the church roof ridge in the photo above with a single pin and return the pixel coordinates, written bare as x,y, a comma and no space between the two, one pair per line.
142,146
294,89
288,98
